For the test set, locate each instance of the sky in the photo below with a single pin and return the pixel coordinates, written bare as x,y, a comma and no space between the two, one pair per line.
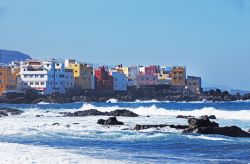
210,37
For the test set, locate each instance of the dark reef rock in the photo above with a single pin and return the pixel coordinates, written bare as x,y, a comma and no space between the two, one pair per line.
182,116
202,125
123,113
141,127
231,131
94,112
201,122
110,121
212,117
6,111
91,112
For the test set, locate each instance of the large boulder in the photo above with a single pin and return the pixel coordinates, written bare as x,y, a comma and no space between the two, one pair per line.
232,131
201,122
110,121
123,113
212,117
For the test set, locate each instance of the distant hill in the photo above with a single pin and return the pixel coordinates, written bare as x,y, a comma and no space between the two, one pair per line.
7,56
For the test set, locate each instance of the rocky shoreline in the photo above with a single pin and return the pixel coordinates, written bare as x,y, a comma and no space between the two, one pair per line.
33,98
201,125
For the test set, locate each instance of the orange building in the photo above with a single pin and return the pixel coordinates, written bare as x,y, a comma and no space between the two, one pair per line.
178,75
7,79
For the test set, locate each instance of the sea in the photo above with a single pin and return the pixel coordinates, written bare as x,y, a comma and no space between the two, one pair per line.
27,138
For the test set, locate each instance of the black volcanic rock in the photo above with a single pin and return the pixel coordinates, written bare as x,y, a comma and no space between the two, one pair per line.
7,56
5,111
110,121
123,113
201,122
141,127
231,131
94,112
212,117
182,116
91,112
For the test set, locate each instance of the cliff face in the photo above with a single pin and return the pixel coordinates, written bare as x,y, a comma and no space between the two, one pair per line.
7,56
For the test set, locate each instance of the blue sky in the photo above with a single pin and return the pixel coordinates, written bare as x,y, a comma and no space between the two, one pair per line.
210,37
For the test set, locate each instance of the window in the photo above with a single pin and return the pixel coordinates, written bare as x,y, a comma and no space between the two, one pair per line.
42,83
36,83
142,78
30,76
25,76
41,76
36,76
31,83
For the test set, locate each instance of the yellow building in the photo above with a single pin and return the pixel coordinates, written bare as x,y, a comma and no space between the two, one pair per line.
178,75
82,74
7,80
124,70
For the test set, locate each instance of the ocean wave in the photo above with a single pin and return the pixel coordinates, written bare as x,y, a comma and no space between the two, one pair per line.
112,101
155,111
208,138
13,153
43,103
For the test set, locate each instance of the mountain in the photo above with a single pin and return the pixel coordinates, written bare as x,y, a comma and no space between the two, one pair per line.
7,56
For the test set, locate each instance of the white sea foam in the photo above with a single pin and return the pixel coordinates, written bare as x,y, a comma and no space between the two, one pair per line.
155,111
18,153
208,138
112,101
42,102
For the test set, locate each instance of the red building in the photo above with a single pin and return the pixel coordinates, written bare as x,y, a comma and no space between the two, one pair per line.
104,81
151,70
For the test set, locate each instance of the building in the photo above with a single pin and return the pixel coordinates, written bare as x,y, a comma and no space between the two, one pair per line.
194,84
46,77
124,70
83,74
119,81
178,75
7,80
146,80
133,72
103,80
151,70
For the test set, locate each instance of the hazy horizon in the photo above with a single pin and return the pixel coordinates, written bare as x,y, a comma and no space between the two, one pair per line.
211,38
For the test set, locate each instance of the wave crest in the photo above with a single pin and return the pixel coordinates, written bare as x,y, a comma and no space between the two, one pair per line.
155,111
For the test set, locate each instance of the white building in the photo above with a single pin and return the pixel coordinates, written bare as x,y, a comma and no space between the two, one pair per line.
119,81
47,77
133,72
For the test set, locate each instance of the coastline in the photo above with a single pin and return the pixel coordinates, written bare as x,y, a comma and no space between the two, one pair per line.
33,98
